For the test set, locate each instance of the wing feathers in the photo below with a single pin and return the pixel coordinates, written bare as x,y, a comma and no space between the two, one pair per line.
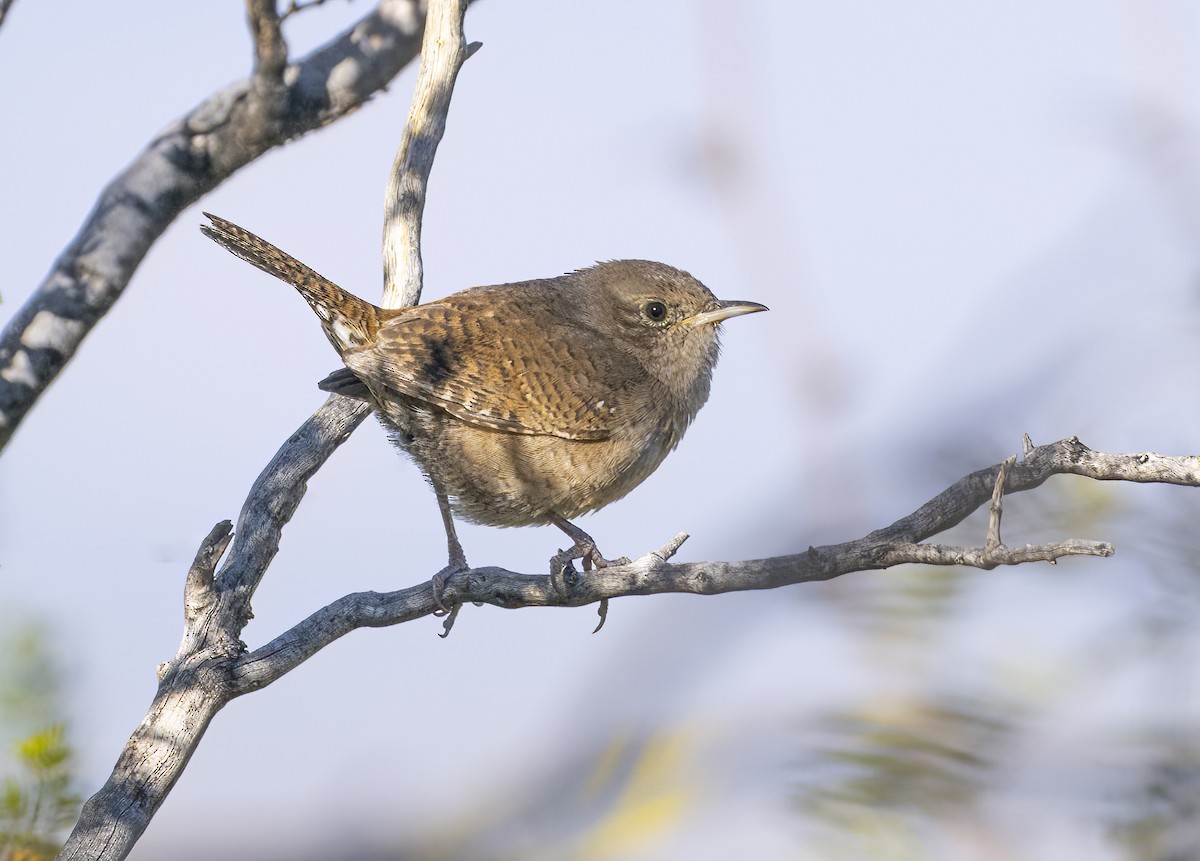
472,365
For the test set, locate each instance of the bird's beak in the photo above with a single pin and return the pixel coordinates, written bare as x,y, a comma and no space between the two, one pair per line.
722,310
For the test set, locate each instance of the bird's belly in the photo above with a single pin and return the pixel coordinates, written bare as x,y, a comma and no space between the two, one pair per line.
510,479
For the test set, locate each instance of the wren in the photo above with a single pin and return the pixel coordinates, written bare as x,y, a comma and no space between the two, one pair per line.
524,403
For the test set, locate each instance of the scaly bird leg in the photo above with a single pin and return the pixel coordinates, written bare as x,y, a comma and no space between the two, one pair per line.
458,559
584,548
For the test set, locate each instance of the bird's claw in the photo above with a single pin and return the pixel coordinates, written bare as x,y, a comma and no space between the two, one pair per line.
563,575
562,572
439,580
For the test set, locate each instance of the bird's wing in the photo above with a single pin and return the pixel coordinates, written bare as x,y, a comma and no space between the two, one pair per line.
566,382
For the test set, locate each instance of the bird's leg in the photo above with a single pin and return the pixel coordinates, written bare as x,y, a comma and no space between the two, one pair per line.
584,548
458,559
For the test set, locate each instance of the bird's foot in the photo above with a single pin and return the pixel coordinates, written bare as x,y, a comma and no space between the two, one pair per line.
563,574
562,569
439,580
584,548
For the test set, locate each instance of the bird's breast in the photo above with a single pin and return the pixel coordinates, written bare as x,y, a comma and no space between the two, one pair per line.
499,478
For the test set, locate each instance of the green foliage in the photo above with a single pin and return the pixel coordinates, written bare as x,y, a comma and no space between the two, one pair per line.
36,799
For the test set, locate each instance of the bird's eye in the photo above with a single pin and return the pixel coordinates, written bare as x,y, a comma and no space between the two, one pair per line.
655,311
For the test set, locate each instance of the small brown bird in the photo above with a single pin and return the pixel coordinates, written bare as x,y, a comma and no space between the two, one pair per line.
523,403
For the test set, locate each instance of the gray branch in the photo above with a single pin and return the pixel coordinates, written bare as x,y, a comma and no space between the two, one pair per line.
654,574
198,681
275,104
270,51
404,200
5,5
296,6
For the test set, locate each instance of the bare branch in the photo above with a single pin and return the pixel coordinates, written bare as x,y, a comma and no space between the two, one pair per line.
198,587
652,574
197,153
5,5
295,6
993,541
988,558
277,493
1070,456
404,202
270,51
194,685
197,683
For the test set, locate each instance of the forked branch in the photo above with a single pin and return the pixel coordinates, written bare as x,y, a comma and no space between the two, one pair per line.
652,574
278,102
198,681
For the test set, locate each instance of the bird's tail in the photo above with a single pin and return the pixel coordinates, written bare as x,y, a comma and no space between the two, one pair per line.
348,321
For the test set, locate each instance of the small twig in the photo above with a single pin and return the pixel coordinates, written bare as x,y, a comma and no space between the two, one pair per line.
5,5
671,547
270,51
404,202
197,588
987,559
662,554
1026,445
992,541
296,6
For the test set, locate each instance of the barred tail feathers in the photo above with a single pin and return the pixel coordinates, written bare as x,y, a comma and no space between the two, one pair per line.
348,320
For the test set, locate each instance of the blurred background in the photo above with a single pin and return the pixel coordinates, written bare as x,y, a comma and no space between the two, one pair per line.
969,221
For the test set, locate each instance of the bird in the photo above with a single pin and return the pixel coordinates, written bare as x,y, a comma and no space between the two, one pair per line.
525,403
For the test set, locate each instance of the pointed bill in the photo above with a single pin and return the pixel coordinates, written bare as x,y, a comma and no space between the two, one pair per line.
723,310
